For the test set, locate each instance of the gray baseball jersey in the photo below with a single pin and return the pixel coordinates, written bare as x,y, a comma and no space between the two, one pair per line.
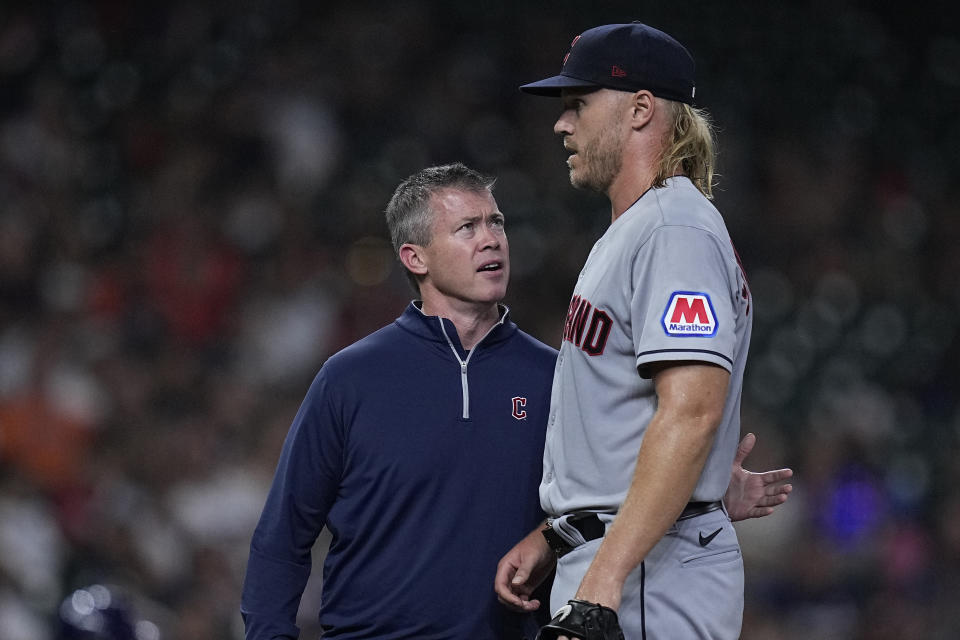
663,283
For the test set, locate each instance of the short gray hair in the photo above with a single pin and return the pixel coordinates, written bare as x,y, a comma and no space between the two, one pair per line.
409,216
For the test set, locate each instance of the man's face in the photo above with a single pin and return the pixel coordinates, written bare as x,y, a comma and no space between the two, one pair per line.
592,128
468,258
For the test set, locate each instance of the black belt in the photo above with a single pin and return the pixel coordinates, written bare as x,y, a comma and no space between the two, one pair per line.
592,527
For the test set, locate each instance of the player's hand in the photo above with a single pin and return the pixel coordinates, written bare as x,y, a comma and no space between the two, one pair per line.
754,495
522,570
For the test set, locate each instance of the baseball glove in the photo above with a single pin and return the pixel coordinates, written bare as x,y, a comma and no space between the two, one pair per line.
584,620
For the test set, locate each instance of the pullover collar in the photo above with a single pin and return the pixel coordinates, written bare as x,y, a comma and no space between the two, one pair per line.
438,329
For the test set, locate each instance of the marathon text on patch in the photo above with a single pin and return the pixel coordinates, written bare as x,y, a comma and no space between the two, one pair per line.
689,314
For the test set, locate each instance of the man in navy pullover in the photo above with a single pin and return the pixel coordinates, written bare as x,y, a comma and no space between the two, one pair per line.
420,447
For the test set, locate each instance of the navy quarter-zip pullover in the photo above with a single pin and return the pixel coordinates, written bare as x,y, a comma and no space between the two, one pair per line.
424,462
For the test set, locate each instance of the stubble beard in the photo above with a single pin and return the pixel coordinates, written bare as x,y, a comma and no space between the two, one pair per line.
601,160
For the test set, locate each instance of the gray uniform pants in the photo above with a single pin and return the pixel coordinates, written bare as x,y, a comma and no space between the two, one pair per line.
683,590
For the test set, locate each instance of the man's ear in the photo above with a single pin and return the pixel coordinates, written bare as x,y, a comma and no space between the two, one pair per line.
411,255
642,107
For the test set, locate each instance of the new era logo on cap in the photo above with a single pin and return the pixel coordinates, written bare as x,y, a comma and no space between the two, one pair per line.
689,314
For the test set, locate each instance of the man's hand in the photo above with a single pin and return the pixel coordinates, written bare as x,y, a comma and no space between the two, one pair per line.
522,570
754,495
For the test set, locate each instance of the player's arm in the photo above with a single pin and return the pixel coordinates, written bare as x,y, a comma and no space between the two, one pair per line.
522,570
690,402
751,494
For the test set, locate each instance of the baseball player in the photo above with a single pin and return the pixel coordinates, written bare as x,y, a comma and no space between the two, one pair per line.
649,375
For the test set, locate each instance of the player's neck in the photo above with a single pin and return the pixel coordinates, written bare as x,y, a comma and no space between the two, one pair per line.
638,171
472,320
639,168
627,189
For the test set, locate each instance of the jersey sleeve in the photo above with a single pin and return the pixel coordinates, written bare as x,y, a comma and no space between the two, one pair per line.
682,307
304,487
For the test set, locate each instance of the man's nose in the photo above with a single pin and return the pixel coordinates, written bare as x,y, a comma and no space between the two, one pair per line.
490,238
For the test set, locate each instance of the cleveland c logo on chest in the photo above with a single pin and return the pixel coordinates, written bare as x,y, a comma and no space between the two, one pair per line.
519,407
586,326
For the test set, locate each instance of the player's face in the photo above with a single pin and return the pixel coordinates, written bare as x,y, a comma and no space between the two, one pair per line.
591,127
468,258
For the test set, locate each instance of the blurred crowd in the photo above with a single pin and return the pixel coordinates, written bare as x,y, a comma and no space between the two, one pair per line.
191,199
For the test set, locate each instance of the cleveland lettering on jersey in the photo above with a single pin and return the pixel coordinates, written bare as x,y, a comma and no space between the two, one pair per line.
586,326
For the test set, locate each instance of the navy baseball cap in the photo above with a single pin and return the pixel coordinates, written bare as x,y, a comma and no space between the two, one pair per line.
626,57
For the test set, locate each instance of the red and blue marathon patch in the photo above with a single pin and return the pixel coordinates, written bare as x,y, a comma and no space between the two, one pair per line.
689,314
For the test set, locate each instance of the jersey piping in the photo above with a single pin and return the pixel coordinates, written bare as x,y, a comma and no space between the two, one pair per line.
714,353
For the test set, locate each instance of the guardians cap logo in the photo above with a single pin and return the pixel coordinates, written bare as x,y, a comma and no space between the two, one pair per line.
689,314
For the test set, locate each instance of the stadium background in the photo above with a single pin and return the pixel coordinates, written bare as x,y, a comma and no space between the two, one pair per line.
190,223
